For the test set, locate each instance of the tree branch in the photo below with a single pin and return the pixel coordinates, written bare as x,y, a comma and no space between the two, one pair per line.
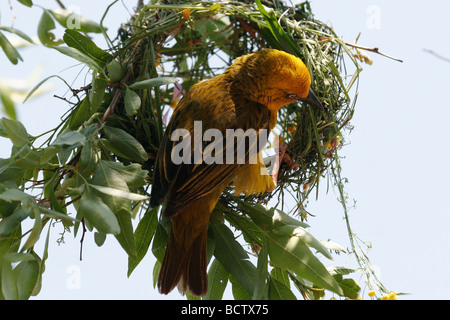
61,4
437,55
375,50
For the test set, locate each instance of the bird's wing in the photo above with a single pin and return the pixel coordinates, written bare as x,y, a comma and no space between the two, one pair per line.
185,183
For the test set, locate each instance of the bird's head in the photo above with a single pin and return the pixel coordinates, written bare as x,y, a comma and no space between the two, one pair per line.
275,78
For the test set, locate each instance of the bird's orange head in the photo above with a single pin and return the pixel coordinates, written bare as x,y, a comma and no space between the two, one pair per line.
275,78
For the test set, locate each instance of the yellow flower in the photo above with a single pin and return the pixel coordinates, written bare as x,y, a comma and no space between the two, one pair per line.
371,293
390,296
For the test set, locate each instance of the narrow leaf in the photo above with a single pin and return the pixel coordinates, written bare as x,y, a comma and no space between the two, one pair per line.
154,82
293,254
279,291
217,281
9,107
81,57
17,32
233,257
41,83
10,51
307,238
85,45
106,177
119,193
143,236
36,231
27,3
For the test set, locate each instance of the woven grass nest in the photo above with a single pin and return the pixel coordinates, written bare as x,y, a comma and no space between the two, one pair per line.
197,40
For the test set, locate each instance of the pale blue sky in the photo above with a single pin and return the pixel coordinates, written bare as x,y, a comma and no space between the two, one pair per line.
395,162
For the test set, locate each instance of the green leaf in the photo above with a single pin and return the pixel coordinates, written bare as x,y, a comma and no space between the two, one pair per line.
70,138
16,132
81,57
143,236
12,194
98,213
124,145
333,246
261,287
160,240
10,51
8,282
88,160
133,174
155,272
97,94
268,218
7,208
99,238
107,177
239,292
9,107
307,238
8,224
340,270
233,257
82,113
217,281
41,83
76,40
27,278
18,33
349,286
277,34
9,171
216,28
37,228
293,254
120,193
279,291
154,82
132,102
280,275
46,24
27,158
27,3
71,20
115,71
56,215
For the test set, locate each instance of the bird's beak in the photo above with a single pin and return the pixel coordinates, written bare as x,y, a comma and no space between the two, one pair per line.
312,100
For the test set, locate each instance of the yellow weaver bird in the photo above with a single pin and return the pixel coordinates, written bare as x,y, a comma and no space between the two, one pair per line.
246,96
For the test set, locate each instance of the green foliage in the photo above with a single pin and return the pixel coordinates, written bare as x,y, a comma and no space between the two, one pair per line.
98,162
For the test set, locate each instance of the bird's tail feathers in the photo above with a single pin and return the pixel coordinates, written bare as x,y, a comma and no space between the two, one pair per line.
184,267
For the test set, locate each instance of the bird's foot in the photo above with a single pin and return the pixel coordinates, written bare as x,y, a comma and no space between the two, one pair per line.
282,156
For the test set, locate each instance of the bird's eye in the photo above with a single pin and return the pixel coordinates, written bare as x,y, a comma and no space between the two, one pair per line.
292,96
